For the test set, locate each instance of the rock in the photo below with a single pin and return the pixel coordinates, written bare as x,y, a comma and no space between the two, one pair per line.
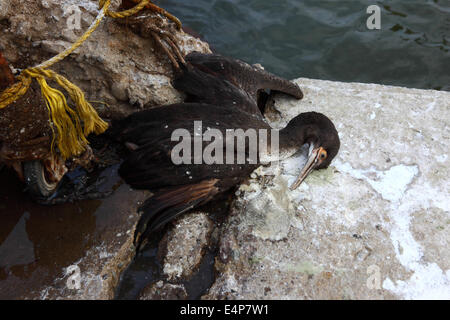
164,291
186,243
118,70
374,225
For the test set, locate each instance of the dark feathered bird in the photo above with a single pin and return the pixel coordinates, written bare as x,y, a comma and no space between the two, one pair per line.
225,93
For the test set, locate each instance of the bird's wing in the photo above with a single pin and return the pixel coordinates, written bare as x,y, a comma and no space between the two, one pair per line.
203,87
150,166
249,78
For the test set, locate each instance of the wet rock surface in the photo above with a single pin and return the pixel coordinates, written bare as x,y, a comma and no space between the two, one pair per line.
187,260
374,225
68,251
186,244
164,291
180,255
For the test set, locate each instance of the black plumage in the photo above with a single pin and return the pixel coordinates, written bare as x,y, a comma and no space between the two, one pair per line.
223,94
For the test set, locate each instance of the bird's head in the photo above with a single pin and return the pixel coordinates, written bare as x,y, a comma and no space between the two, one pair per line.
320,133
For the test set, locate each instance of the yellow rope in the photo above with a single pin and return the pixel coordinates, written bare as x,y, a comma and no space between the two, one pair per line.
125,13
15,91
72,126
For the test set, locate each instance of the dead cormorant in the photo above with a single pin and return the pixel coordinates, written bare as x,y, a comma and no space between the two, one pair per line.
224,92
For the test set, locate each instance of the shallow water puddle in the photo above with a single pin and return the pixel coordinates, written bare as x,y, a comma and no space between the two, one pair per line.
38,242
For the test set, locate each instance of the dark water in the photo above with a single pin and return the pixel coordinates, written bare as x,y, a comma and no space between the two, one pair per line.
329,39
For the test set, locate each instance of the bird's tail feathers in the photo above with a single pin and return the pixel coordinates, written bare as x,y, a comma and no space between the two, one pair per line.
166,205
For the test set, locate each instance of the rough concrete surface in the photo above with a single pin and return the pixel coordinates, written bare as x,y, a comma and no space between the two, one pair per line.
374,225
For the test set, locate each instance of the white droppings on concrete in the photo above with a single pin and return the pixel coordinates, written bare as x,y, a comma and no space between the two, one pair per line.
390,184
430,107
428,280
441,158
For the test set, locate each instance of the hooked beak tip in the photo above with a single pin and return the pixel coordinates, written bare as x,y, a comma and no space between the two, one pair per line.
309,166
297,183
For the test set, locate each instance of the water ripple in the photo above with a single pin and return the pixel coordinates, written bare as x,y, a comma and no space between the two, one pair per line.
329,39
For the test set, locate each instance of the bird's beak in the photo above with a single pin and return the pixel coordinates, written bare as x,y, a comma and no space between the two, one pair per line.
312,162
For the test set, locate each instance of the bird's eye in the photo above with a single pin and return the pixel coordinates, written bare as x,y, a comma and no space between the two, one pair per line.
323,155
